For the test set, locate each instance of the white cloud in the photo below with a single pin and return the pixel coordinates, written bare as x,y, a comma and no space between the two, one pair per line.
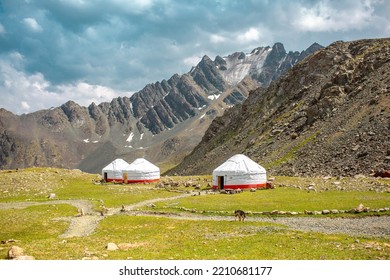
32,24
215,38
24,93
16,56
21,92
252,34
84,93
91,33
325,17
25,106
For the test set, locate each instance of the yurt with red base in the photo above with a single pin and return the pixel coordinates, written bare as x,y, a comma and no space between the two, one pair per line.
141,171
114,171
239,172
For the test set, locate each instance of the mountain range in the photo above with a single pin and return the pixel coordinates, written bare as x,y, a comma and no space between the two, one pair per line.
163,122
327,116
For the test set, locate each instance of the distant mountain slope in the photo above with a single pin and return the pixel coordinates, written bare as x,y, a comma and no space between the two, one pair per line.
162,122
329,115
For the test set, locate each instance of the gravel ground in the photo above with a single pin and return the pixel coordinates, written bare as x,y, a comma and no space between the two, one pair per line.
366,226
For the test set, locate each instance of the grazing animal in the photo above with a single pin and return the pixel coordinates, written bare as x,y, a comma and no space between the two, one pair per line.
382,173
240,215
104,210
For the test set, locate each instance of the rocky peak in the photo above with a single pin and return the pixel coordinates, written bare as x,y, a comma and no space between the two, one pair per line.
328,115
277,52
279,62
264,64
121,110
256,51
72,110
314,47
206,75
205,60
310,50
220,63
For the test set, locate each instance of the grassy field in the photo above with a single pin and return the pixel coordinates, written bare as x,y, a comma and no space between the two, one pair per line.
37,228
282,199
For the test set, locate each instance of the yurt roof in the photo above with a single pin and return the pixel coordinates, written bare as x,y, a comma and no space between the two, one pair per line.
239,164
142,165
117,164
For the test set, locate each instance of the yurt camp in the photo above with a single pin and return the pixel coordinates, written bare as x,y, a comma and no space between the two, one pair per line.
114,171
141,171
239,172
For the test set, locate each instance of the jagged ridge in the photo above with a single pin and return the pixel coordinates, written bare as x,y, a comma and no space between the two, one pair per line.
141,125
328,115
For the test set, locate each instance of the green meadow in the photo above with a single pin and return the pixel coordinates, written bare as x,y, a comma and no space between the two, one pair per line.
196,226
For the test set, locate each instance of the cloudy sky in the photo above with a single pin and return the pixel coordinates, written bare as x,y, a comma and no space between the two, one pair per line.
52,51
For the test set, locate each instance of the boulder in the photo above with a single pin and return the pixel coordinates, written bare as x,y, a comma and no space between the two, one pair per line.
360,208
15,251
311,188
112,247
51,196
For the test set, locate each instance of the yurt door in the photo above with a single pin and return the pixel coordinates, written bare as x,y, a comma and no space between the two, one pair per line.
125,178
221,182
105,176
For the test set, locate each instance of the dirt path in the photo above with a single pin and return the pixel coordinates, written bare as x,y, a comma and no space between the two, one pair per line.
144,203
86,224
83,225
78,226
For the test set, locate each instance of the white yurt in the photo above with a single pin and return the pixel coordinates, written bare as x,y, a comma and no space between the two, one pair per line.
141,171
239,172
113,171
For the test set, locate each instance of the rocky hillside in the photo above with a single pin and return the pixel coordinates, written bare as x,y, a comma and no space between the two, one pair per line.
162,122
329,115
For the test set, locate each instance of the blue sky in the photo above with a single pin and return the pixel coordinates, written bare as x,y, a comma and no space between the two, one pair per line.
52,51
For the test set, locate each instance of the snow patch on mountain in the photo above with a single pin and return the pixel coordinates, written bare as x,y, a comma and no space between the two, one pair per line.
238,65
130,138
214,96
